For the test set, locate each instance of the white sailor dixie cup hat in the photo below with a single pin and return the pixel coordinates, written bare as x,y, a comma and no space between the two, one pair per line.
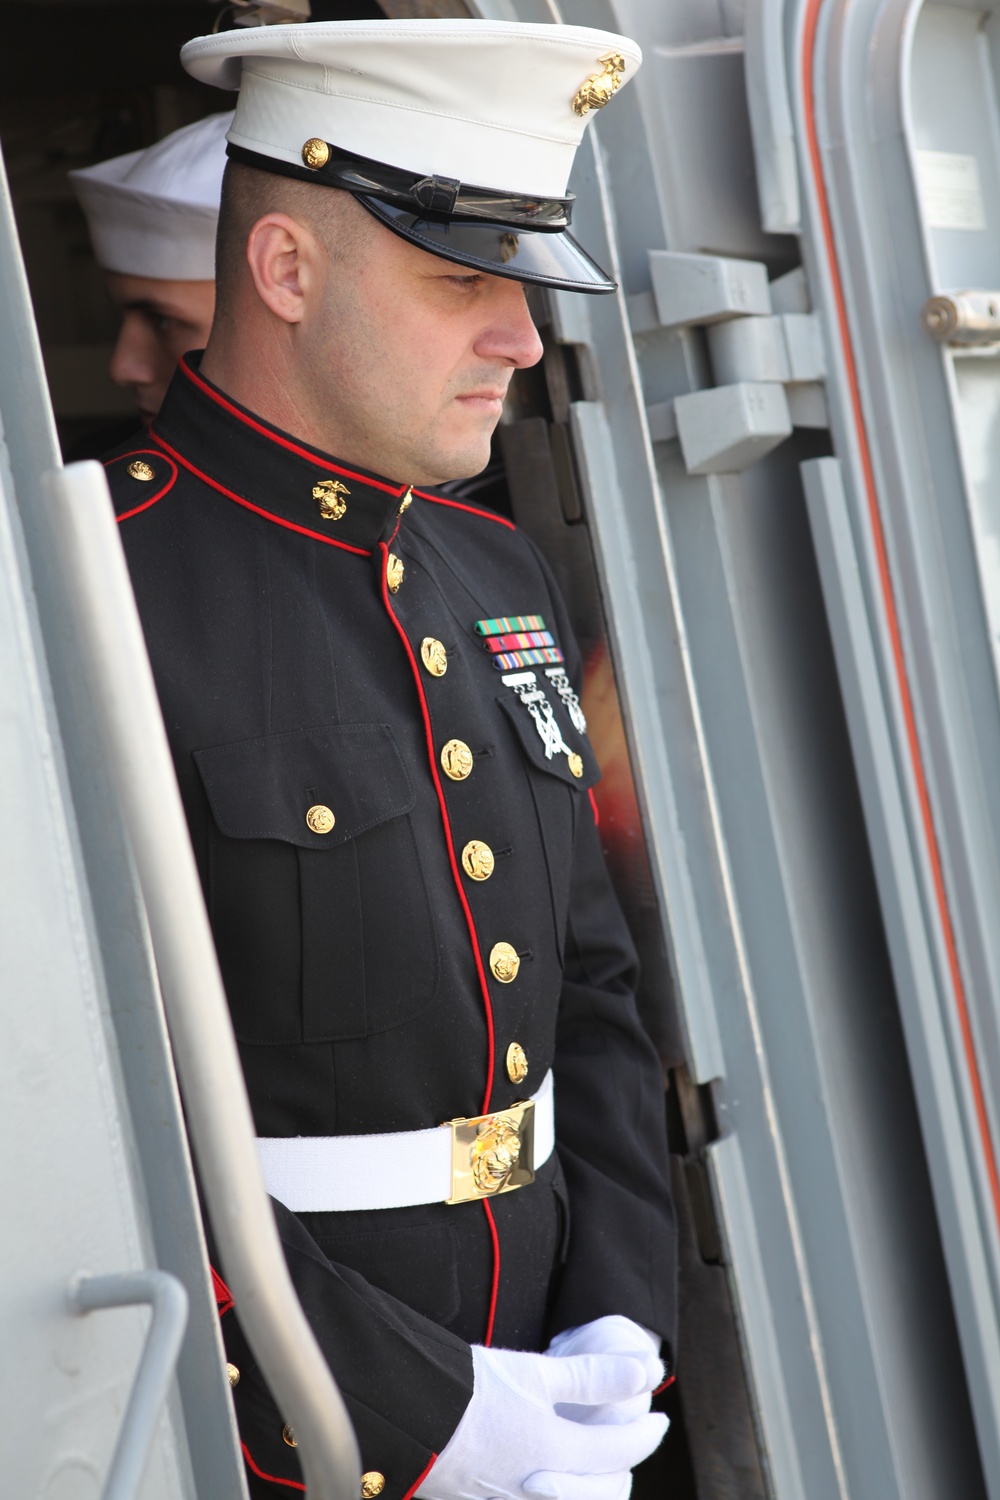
457,135
155,212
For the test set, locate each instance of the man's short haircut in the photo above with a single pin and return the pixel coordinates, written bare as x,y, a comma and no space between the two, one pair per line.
248,193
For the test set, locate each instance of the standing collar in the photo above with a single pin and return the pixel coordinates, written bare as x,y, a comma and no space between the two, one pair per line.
268,470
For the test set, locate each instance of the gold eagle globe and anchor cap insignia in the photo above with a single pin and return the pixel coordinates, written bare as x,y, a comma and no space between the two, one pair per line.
330,494
492,1154
597,90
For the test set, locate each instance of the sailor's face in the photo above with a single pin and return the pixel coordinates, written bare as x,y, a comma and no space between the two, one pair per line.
416,354
161,320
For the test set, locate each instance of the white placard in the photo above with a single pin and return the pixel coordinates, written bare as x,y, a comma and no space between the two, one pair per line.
950,190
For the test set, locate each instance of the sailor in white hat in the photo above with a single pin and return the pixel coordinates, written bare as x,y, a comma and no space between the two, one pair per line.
372,695
152,217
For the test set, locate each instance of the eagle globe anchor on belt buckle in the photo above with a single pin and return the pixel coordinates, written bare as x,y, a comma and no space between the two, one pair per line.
492,1154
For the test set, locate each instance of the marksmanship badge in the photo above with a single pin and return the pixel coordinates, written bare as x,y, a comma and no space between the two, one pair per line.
525,685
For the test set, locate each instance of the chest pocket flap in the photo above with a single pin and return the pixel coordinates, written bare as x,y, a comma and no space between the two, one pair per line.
558,764
263,788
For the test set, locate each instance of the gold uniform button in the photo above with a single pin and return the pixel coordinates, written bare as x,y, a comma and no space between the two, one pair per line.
478,860
394,571
289,1437
315,153
456,758
372,1484
320,819
434,656
233,1375
406,502
504,962
139,470
575,763
517,1063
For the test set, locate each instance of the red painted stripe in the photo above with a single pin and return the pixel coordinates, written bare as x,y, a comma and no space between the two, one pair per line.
495,1288
449,841
312,454
317,536
487,515
150,453
420,1479
891,610
224,1299
291,1484
594,807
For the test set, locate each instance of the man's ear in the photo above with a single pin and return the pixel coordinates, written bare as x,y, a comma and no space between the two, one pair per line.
284,261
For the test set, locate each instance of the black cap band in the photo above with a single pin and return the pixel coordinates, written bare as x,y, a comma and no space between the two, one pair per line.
444,196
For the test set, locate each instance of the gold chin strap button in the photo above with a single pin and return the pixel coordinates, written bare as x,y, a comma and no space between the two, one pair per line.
394,571
233,1375
504,962
406,502
288,1436
320,819
329,496
575,764
434,656
456,758
477,860
315,153
139,470
372,1484
517,1063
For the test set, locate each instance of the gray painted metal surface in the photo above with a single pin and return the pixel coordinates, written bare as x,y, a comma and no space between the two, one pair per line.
905,104
70,1177
738,736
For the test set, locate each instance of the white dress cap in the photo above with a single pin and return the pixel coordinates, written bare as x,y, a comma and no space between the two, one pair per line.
459,105
155,212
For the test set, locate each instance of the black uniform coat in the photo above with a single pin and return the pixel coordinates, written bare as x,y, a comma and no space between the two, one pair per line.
356,962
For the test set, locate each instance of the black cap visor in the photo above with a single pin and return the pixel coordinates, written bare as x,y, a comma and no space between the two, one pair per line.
542,257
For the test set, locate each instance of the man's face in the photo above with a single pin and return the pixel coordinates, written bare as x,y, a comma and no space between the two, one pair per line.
161,320
411,355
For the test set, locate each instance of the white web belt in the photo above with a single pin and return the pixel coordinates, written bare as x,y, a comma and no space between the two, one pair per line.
453,1163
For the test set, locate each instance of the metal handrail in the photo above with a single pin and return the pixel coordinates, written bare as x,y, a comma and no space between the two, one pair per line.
218,1111
168,1300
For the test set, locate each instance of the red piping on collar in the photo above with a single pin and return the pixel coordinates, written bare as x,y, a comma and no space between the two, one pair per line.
317,536
152,453
446,822
419,1481
495,1288
311,454
292,1484
487,515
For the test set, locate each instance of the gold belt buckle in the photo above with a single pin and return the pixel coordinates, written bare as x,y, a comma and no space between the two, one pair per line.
492,1154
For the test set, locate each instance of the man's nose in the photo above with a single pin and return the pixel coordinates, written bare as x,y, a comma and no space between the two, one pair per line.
132,361
511,335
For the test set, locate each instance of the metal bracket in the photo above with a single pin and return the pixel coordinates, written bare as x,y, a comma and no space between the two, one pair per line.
168,1300
767,356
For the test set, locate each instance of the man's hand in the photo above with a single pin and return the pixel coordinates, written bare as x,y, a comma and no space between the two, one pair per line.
612,1335
518,1441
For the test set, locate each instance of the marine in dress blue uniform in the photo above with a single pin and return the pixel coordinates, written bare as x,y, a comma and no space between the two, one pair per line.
371,694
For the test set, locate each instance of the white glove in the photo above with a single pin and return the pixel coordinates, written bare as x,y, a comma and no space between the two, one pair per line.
611,1335
512,1444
